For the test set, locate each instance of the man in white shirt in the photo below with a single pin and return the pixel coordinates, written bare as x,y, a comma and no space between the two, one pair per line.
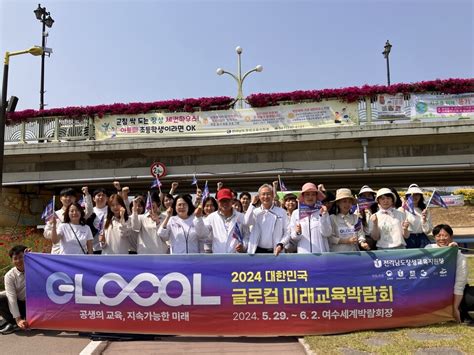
269,224
225,226
12,303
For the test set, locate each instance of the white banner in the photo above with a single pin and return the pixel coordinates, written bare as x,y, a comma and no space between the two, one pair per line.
219,123
442,106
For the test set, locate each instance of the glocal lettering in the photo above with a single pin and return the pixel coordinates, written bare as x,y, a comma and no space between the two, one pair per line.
61,288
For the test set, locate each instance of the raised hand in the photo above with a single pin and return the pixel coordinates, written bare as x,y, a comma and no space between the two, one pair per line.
85,190
198,211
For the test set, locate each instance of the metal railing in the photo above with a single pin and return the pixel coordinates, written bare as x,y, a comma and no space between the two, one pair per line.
57,129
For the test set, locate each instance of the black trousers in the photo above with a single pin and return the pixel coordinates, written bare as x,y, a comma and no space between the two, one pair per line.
263,251
5,311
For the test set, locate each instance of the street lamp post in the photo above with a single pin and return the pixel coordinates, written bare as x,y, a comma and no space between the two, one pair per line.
239,78
386,52
44,17
3,108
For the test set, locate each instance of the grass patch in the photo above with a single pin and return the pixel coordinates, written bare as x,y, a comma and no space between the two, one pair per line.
398,341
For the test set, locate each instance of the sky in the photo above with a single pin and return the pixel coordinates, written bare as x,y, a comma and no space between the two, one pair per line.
108,51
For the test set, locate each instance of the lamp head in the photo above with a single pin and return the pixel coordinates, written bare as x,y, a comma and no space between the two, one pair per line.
238,49
48,21
259,68
39,12
387,49
36,50
220,71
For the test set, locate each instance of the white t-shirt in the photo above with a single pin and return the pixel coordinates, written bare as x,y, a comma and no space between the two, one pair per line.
68,242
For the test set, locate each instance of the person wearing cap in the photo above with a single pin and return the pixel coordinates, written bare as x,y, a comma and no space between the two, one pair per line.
311,232
347,231
420,222
269,224
366,207
223,226
67,197
388,226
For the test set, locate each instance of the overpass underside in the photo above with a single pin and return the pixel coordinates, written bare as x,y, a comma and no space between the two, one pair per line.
430,154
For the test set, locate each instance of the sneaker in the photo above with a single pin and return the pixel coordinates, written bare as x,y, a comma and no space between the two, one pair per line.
8,329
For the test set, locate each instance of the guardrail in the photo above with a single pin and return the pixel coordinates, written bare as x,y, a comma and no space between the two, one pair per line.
57,129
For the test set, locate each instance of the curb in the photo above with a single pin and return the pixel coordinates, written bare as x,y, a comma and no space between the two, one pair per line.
306,346
94,348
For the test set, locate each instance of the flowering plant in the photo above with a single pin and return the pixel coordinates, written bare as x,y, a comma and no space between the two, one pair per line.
185,105
349,94
353,93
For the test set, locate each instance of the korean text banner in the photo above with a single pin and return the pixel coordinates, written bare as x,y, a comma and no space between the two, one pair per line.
255,295
229,122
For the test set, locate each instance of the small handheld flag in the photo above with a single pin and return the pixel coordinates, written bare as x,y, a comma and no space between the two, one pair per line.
148,202
409,204
156,183
82,202
237,234
282,185
195,180
364,203
100,227
205,192
306,210
48,211
437,200
358,225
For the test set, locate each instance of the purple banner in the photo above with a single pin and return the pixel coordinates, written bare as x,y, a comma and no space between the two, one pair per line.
292,294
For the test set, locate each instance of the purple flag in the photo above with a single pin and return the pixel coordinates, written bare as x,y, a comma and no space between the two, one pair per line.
358,225
306,210
156,183
364,203
148,202
195,180
205,192
437,200
237,234
48,211
409,204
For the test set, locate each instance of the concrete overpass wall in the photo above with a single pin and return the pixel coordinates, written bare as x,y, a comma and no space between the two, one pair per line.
434,153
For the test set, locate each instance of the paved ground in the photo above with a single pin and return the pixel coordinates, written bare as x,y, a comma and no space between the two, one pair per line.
52,342
36,342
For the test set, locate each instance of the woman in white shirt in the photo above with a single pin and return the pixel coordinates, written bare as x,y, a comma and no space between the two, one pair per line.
178,228
73,236
419,223
115,237
347,231
146,227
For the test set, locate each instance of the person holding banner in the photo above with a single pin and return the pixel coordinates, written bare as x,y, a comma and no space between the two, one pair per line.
269,224
310,225
225,227
145,225
443,235
66,196
178,228
418,217
117,231
388,226
347,231
12,302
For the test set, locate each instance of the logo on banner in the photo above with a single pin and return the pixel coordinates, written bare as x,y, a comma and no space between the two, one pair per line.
61,288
